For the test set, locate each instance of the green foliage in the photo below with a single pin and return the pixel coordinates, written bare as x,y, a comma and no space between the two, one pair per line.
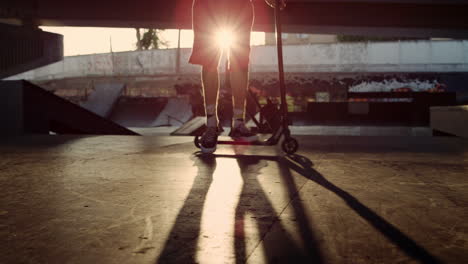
150,40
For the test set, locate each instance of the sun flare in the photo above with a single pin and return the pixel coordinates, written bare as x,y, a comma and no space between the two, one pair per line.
225,38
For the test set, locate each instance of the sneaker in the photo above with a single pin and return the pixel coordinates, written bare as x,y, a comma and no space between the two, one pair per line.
208,140
242,133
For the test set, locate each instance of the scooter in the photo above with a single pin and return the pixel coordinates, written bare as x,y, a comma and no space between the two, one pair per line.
289,144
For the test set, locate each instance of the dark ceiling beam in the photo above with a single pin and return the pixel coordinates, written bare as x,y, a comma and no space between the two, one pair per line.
426,17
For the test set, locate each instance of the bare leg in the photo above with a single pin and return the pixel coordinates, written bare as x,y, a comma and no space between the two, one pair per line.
210,83
239,83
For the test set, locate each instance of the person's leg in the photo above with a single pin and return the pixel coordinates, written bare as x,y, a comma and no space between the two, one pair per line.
210,84
242,20
207,54
239,69
239,85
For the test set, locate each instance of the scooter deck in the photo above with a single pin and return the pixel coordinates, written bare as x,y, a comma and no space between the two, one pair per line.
262,141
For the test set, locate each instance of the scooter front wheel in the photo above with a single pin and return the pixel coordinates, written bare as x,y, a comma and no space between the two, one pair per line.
196,141
290,145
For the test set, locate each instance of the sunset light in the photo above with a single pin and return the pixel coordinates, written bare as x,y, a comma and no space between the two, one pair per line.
225,38
100,40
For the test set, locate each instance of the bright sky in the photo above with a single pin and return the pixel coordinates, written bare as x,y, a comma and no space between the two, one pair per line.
89,40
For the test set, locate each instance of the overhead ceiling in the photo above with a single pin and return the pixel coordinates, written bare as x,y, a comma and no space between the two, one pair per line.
419,18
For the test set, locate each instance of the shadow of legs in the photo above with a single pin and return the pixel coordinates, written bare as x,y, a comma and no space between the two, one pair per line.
181,245
278,245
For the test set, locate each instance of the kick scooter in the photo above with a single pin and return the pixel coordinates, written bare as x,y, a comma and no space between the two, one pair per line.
289,144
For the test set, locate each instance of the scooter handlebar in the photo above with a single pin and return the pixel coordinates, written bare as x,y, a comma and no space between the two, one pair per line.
274,3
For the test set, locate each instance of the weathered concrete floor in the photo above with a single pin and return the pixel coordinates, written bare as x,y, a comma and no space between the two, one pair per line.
153,200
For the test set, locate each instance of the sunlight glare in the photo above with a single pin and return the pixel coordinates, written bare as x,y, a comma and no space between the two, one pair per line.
218,218
225,38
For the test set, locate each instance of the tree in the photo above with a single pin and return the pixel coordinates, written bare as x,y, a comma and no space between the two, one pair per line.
138,35
150,40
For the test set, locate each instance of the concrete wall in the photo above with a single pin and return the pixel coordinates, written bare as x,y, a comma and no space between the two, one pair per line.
300,39
154,62
405,56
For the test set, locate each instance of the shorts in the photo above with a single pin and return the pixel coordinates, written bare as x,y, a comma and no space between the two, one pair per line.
211,16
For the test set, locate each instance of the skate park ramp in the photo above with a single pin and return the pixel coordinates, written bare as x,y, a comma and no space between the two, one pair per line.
137,112
176,113
30,109
151,112
191,128
102,100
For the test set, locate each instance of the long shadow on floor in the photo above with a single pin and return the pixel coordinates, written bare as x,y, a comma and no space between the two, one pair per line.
303,166
277,243
181,245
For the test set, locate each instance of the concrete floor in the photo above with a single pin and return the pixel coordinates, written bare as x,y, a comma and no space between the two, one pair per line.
116,199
